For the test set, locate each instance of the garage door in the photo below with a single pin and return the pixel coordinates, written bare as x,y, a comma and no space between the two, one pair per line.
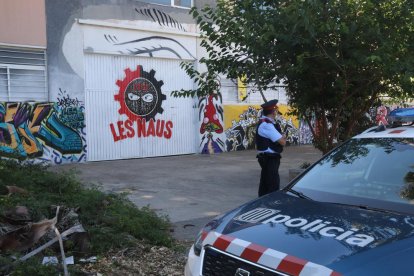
130,112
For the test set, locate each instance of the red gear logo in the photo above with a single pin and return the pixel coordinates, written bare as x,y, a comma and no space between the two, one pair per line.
139,94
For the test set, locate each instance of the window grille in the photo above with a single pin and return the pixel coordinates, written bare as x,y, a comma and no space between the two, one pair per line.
23,74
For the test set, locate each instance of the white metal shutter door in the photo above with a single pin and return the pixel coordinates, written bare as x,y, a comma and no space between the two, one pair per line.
101,75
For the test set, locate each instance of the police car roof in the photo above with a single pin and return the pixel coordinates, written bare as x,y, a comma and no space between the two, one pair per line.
390,132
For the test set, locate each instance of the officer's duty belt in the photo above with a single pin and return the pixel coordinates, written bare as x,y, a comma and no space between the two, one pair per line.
268,154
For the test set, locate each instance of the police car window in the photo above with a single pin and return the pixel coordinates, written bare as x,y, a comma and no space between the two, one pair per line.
377,169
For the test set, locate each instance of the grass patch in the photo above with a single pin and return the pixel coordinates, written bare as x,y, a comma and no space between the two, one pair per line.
111,220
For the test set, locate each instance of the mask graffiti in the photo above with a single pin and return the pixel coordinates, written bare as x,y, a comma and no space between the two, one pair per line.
26,130
140,94
212,116
140,99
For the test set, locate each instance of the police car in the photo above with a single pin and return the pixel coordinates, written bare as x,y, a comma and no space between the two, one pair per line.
350,213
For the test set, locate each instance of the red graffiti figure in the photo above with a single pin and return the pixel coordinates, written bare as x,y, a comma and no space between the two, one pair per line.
382,112
211,122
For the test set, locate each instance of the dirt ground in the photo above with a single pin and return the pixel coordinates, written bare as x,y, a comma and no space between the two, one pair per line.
142,260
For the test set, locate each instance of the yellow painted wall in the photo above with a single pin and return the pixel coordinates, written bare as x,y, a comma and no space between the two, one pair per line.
284,109
233,112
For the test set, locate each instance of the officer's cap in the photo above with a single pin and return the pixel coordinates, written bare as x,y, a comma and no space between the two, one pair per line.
269,105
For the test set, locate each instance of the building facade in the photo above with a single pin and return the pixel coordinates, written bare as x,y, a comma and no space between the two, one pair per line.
91,80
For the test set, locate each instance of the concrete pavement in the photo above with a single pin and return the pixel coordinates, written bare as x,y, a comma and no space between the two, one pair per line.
189,189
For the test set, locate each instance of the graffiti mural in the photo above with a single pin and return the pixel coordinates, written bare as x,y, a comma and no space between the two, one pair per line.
70,111
211,114
150,45
241,123
134,32
242,134
44,131
289,130
305,133
161,18
140,99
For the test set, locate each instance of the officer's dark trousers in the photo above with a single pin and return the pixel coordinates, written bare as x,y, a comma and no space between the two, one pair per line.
269,178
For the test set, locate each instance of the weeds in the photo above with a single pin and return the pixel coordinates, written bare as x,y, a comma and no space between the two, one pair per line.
111,220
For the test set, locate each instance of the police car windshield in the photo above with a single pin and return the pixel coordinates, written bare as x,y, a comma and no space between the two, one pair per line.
372,172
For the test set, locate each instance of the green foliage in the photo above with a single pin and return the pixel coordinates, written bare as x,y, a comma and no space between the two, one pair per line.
335,57
111,220
32,267
304,165
207,82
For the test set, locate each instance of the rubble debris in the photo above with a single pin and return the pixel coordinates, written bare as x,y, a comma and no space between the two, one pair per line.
16,190
19,233
53,260
18,215
24,237
92,259
75,229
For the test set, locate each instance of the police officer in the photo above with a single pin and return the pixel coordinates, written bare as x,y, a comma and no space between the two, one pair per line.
269,142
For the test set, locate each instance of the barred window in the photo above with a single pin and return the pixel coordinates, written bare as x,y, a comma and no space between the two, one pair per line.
23,74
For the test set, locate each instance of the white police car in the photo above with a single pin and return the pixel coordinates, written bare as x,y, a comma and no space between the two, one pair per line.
351,213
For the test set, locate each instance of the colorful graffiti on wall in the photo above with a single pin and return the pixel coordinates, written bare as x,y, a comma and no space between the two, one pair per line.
241,135
241,122
211,114
52,132
140,99
305,133
70,111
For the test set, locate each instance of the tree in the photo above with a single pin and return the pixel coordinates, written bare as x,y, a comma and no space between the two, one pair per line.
336,57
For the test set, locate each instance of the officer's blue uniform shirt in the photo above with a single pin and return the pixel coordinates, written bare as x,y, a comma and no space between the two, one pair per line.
268,130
